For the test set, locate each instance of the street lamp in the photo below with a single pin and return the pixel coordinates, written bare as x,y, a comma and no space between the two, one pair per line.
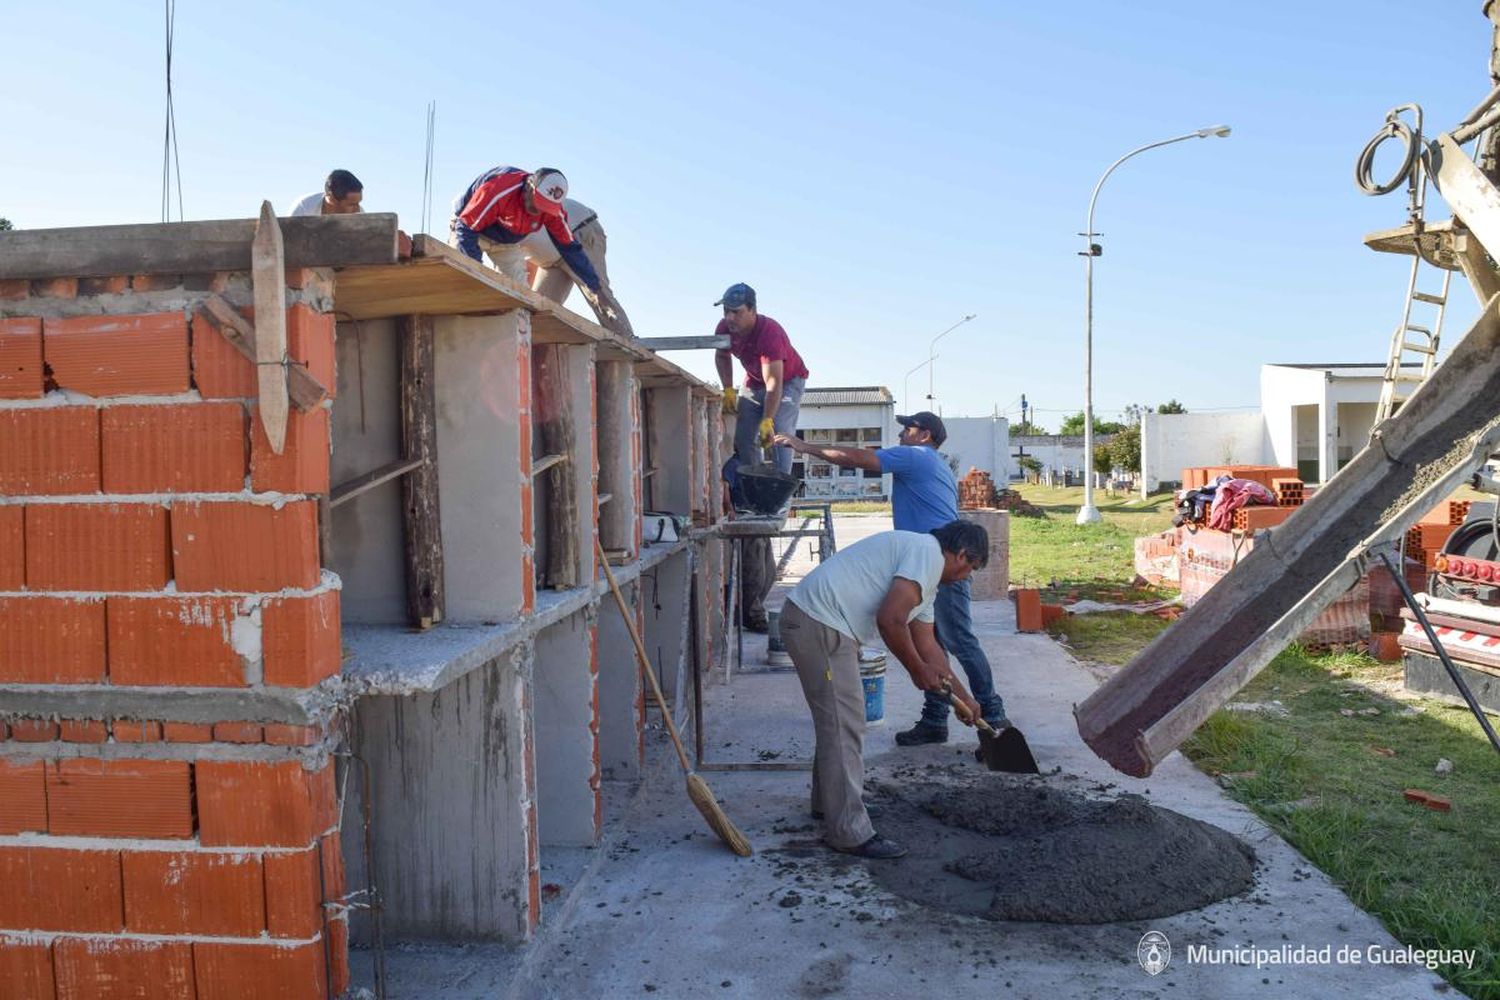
931,356
1088,513
906,384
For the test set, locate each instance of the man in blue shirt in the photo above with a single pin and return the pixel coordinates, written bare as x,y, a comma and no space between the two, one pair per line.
924,495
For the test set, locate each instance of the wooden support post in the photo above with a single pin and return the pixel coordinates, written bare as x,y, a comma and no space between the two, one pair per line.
553,414
268,274
419,487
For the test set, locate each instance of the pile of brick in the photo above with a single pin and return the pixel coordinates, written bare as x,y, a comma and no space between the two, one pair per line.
168,814
1426,538
1281,481
1012,501
976,491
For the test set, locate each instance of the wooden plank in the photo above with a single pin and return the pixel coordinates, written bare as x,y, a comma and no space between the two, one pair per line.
546,462
553,413
709,342
193,247
268,274
346,491
425,599
306,391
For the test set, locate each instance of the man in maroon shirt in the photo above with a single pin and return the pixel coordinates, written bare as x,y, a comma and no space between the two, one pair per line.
774,378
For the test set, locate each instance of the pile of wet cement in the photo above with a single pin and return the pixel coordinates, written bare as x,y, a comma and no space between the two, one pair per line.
1007,847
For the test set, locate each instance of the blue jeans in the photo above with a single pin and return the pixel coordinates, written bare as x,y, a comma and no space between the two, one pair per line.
955,630
748,417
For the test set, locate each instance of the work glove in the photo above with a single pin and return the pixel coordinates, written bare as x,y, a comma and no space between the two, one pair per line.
731,401
767,432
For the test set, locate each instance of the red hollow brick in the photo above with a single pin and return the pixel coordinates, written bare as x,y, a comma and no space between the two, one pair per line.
257,804
12,547
331,853
184,447
84,730
238,732
26,970
119,798
51,640
14,289
123,969
113,285
260,971
136,731
337,934
49,450
294,896
54,288
220,371
187,732
175,641
179,892
302,466
309,340
97,546
35,898
33,730
21,374
281,735
24,794
118,355
300,639
244,546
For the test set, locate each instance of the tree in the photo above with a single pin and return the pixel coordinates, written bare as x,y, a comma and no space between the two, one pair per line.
1103,461
1073,425
1029,428
5,225
1171,406
1125,449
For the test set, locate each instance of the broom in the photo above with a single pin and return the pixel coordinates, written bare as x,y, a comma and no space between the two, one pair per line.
697,789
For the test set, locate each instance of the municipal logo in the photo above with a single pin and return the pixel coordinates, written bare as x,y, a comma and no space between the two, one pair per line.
1154,952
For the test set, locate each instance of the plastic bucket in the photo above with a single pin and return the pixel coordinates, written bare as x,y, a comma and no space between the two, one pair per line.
872,677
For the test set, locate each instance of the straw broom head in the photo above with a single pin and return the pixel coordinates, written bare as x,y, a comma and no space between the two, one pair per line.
703,798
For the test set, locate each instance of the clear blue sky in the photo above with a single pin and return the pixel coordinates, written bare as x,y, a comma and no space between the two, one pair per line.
875,170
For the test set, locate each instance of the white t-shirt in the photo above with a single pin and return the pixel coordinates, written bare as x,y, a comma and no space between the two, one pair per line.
539,247
311,205
845,593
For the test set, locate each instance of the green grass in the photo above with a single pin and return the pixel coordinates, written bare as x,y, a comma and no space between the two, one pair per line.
1313,774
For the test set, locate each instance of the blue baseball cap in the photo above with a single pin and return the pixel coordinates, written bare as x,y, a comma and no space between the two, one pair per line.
736,296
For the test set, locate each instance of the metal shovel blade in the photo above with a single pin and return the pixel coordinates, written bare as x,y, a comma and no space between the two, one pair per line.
1007,751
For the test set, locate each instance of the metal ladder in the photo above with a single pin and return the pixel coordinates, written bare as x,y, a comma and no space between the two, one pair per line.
1413,339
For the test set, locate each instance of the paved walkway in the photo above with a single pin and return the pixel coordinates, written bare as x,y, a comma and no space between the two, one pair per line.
663,910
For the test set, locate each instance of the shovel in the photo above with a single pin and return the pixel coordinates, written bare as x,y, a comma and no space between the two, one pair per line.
1005,750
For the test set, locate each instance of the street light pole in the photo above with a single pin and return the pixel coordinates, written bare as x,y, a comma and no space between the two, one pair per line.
1088,513
931,357
906,384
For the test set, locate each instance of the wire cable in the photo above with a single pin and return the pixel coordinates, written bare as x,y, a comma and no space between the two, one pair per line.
170,157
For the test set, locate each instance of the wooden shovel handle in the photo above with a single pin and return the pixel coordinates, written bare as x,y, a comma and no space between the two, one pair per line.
984,727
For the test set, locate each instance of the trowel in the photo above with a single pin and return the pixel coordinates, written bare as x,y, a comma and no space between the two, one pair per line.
1002,750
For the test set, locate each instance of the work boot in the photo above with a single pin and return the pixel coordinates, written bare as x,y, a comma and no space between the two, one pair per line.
877,848
922,732
760,626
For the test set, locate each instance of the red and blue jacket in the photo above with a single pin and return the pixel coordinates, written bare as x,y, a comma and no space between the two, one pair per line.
494,206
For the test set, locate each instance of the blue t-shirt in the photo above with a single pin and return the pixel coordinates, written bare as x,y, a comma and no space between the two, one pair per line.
924,493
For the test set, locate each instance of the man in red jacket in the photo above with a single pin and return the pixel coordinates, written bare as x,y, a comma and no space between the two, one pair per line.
505,205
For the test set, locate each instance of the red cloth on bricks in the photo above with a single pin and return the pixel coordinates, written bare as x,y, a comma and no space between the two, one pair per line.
1233,495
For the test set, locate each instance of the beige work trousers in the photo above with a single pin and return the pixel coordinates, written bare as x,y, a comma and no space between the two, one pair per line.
556,281
827,663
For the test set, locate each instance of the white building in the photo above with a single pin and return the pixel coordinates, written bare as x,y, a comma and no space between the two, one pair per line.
1311,417
850,416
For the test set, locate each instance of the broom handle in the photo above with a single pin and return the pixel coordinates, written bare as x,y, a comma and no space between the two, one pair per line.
640,653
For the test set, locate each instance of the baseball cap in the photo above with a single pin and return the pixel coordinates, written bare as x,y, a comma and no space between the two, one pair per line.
549,187
926,421
737,295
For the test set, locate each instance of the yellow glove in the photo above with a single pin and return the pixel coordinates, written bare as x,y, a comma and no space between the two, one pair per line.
731,401
767,430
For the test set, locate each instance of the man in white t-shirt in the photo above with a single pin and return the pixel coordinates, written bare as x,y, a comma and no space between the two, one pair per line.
342,192
881,587
553,278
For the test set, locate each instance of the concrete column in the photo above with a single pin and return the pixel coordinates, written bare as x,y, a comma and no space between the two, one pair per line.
620,691
566,741
671,433
1328,435
992,582
450,804
619,464
482,422
585,463
665,603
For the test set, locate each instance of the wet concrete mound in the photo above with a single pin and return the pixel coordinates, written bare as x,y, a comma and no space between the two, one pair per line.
1051,848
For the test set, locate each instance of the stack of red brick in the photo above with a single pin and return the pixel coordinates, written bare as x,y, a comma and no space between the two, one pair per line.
976,491
160,581
1426,538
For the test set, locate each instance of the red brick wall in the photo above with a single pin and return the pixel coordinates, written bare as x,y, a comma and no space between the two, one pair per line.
151,544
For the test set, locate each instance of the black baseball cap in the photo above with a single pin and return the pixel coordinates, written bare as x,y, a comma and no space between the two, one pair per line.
926,421
737,295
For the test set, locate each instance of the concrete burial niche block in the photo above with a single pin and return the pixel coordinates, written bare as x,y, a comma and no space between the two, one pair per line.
479,427
621,689
367,534
666,605
449,807
992,582
564,697
617,472
671,434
